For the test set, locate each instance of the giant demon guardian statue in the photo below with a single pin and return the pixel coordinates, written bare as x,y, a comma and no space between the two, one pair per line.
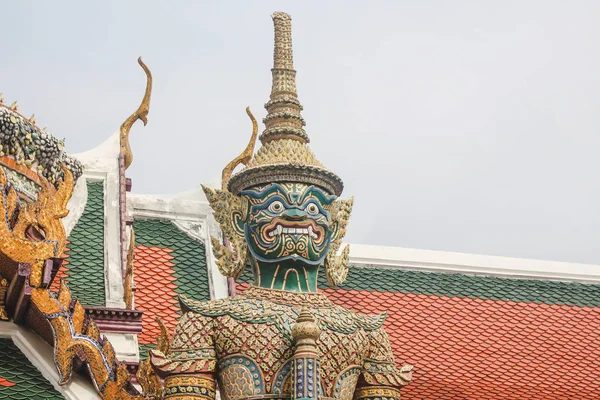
280,338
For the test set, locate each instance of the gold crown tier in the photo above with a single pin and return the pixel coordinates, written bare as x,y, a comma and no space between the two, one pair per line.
284,155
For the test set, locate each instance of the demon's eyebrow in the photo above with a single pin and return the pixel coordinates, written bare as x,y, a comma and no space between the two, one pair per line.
271,189
323,197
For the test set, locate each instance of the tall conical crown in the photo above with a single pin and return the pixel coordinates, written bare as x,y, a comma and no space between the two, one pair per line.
284,155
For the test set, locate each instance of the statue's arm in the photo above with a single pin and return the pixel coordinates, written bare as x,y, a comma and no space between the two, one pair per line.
188,368
381,379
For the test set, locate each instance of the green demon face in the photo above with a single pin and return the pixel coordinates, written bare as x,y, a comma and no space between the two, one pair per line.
288,221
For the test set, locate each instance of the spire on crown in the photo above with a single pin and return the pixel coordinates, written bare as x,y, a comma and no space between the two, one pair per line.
283,119
284,155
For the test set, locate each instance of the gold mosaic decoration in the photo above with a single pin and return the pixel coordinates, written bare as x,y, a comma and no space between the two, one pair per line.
3,289
44,216
378,392
66,316
147,378
32,232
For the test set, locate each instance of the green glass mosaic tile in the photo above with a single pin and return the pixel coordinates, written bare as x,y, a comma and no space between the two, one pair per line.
28,381
460,285
85,272
189,255
189,259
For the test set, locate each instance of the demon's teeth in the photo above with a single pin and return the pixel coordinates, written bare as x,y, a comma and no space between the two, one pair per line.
296,231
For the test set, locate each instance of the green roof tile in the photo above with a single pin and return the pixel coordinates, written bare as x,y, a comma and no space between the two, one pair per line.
189,255
465,286
144,350
28,381
189,259
85,272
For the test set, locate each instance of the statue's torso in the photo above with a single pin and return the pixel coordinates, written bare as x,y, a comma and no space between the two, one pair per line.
247,341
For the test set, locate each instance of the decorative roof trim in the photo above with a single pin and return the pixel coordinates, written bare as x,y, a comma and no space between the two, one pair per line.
102,166
116,319
40,354
187,206
471,264
33,147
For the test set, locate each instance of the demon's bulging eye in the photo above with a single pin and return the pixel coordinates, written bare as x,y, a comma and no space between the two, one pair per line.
312,209
276,207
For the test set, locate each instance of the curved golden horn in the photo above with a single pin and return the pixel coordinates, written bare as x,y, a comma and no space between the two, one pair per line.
244,157
63,193
141,113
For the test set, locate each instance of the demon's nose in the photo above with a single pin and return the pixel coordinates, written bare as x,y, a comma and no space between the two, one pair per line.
294,215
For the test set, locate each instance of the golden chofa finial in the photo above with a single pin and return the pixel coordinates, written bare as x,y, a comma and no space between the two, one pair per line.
14,106
32,119
244,157
1,99
141,113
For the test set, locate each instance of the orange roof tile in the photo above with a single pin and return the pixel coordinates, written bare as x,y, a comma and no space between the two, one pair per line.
6,383
155,294
62,271
488,349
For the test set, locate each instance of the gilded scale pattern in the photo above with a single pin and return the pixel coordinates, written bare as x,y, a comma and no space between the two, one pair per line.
3,288
44,215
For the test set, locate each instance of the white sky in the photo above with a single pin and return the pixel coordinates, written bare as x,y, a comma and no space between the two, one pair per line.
468,126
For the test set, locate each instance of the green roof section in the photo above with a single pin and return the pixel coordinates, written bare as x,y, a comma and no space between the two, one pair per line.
189,259
461,285
144,350
86,250
19,379
189,255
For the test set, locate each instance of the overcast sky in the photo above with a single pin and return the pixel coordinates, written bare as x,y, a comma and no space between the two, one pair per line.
469,126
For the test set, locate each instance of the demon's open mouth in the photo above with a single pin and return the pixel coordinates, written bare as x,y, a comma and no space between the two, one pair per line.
279,226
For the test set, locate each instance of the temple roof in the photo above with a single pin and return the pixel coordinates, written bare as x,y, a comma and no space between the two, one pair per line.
478,337
19,379
469,335
83,267
168,263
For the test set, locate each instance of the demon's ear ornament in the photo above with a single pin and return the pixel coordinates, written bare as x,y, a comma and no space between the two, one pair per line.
336,266
231,212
